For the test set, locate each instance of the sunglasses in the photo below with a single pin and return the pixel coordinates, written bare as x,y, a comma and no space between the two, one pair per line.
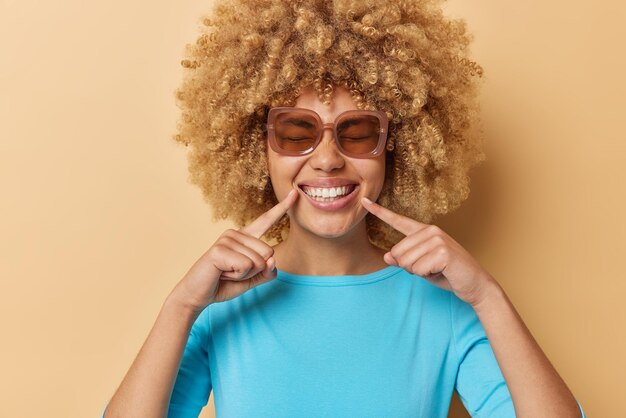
358,133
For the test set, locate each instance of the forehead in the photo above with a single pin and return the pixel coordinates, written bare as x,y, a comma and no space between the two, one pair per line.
340,101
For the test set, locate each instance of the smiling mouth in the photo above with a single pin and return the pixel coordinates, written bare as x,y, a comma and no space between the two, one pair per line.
328,194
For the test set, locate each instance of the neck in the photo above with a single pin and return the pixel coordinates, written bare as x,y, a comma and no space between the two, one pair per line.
306,253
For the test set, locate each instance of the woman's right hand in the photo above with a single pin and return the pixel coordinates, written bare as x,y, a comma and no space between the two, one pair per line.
235,263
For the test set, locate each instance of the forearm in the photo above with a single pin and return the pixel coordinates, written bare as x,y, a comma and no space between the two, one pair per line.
146,389
536,388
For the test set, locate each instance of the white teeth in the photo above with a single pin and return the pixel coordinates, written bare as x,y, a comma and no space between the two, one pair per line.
326,192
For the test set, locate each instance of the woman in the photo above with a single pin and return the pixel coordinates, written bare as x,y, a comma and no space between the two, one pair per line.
315,110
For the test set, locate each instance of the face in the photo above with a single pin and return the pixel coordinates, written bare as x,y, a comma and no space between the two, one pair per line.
326,166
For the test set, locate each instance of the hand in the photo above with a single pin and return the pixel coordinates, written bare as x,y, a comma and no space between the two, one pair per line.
235,263
429,252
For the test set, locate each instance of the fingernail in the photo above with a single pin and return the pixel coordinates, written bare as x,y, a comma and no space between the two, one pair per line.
272,263
367,200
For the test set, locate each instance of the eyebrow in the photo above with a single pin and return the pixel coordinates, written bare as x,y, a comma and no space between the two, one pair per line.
299,122
350,122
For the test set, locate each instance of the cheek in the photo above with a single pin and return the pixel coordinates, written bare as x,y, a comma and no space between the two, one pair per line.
373,172
274,164
282,170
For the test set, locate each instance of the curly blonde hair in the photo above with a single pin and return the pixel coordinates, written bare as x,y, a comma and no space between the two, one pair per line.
400,56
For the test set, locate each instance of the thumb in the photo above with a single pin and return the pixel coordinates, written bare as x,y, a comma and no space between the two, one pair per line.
268,274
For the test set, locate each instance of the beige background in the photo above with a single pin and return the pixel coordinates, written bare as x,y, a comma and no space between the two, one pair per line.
99,222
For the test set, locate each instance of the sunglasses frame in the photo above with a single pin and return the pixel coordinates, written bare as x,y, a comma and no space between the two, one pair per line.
276,111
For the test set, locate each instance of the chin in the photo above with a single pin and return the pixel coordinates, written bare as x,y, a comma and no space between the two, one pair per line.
329,229
329,235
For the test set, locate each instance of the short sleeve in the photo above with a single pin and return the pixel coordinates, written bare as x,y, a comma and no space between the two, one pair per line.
479,382
193,385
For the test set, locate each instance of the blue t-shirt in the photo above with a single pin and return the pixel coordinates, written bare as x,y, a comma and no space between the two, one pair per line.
383,344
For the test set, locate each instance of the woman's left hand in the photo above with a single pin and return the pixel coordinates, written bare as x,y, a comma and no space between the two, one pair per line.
429,252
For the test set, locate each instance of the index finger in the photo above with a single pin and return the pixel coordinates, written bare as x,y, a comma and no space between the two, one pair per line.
399,222
260,225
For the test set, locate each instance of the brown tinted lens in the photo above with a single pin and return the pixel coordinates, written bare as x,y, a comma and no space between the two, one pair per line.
295,131
358,134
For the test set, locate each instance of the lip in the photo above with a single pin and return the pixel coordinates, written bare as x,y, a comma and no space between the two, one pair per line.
335,204
327,182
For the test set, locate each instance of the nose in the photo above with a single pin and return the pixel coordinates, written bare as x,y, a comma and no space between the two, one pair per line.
326,156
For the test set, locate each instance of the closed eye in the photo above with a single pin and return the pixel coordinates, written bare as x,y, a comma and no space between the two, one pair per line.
355,138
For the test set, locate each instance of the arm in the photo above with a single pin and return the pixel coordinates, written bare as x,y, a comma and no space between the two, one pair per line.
171,373
536,388
146,389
